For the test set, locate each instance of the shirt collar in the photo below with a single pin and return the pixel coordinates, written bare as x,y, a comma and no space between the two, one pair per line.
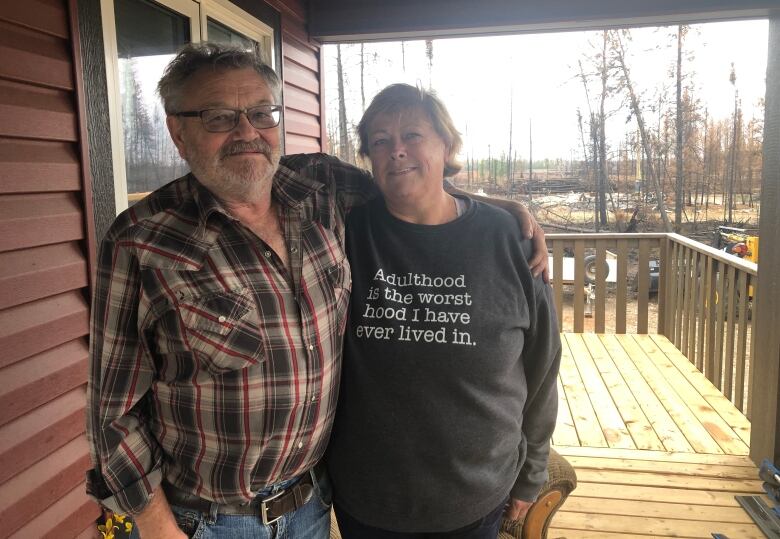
205,201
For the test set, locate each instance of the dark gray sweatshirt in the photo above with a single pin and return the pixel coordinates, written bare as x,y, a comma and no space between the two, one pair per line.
448,394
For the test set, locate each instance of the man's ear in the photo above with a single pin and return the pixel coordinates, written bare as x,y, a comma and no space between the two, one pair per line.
176,129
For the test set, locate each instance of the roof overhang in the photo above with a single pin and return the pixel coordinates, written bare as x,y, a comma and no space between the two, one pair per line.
334,21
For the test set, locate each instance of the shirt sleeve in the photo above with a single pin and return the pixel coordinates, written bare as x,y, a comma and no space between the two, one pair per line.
354,186
542,358
127,459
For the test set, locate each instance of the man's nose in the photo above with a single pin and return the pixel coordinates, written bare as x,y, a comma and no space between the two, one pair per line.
244,129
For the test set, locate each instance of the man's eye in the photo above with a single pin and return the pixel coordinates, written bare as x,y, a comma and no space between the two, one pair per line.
260,115
379,142
220,116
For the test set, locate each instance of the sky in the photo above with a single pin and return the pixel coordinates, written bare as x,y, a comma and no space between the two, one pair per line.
475,77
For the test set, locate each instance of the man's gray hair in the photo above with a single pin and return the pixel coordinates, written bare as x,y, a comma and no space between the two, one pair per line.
216,57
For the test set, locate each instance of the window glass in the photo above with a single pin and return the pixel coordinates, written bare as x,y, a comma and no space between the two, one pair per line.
220,33
148,36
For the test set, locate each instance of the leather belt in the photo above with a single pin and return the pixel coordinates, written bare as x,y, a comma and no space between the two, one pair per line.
269,509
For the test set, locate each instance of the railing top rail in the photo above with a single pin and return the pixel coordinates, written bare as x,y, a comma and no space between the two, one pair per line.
607,236
748,267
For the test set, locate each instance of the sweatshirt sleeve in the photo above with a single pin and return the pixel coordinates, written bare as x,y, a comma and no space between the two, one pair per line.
127,461
541,359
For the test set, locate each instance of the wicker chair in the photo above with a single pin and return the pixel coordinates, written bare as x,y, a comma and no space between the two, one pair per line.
562,480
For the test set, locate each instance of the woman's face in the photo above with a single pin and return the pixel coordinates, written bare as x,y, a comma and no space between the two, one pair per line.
407,155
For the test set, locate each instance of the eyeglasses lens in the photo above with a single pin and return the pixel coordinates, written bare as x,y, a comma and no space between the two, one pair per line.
222,120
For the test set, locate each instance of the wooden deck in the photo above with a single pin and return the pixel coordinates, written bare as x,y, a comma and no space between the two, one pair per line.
659,451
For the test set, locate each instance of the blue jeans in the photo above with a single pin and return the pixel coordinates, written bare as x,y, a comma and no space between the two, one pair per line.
311,521
484,528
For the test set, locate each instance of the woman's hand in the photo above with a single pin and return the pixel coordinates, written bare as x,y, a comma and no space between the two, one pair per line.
516,509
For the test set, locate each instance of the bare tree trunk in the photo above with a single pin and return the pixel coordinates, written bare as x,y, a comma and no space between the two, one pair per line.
343,135
593,172
678,198
362,79
620,53
586,157
733,177
602,183
530,157
509,162
596,152
429,56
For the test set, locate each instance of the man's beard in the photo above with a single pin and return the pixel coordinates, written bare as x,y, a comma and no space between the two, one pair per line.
243,180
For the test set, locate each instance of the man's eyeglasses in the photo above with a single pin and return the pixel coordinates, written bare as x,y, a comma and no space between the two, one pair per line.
224,120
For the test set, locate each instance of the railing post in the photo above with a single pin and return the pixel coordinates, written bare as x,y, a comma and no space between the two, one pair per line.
663,273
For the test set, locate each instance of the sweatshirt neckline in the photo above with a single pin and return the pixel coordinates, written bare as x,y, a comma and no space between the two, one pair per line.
429,229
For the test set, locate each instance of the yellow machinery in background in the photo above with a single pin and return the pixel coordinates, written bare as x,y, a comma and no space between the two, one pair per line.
742,243
738,242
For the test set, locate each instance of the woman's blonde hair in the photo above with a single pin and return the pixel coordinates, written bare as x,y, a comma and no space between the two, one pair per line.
402,97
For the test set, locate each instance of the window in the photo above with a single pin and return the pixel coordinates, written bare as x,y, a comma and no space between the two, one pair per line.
141,38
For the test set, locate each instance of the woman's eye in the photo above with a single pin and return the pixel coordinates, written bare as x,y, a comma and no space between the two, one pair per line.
379,142
412,136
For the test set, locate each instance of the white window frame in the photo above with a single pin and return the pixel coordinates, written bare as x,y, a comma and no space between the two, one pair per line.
198,12
242,22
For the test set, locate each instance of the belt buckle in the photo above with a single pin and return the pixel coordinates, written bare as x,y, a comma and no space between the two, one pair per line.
264,508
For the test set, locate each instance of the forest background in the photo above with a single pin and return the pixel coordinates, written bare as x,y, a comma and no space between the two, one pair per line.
642,129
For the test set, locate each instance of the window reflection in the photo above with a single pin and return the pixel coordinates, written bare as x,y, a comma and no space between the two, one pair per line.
148,36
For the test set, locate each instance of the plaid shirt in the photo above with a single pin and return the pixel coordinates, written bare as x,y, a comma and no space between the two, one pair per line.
212,365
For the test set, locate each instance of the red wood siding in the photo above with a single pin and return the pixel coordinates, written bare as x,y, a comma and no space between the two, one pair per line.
45,248
302,75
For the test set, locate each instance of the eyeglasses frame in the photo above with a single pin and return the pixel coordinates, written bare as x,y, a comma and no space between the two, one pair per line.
244,111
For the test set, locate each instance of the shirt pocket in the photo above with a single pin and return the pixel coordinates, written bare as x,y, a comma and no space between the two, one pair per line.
340,278
219,331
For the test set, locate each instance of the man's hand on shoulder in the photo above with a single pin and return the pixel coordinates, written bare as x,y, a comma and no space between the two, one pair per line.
528,226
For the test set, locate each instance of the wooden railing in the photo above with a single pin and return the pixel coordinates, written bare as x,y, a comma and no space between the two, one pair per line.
708,313
700,298
626,296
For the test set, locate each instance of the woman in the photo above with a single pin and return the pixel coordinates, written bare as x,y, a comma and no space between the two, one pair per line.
448,396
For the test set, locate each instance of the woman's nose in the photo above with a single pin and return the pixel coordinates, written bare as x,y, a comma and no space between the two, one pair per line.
399,151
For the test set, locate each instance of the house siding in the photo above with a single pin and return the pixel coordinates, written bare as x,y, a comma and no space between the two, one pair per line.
47,247
46,243
301,70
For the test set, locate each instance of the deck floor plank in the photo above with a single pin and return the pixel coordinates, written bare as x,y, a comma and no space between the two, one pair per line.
582,412
642,432
730,414
615,431
658,494
663,424
656,527
565,432
669,468
683,484
681,511
661,456
710,419
694,431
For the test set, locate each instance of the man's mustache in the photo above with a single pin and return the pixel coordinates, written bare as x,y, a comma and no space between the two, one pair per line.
256,146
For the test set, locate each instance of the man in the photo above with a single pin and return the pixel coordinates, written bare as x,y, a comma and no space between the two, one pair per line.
219,309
